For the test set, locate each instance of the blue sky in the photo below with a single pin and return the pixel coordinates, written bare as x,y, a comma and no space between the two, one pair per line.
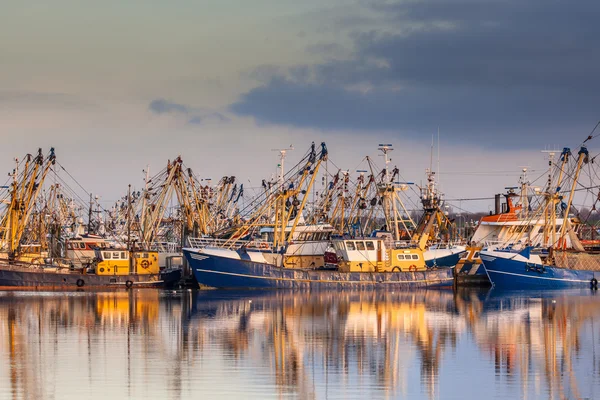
115,86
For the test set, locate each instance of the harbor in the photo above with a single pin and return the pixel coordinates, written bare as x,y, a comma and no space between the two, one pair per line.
310,226
340,199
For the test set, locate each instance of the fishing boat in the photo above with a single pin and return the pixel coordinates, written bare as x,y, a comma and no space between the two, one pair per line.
371,265
566,264
111,268
515,222
90,260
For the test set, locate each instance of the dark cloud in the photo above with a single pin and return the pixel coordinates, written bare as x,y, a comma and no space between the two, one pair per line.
508,72
194,116
162,106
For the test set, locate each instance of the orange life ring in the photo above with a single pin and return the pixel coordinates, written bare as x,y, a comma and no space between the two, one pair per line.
412,268
145,264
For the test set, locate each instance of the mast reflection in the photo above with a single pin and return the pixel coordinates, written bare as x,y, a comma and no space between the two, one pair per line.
145,343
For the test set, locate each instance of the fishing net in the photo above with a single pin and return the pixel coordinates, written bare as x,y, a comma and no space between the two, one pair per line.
577,261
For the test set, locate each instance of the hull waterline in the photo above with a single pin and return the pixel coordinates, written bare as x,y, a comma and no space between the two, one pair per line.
223,272
27,278
517,274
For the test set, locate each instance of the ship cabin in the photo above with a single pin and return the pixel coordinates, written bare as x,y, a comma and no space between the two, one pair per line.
112,261
82,250
371,255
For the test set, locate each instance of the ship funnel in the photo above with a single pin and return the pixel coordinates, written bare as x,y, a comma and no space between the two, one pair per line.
497,198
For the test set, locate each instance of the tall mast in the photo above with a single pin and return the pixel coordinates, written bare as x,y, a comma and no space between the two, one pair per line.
129,217
146,179
89,230
438,156
282,154
12,232
385,149
583,154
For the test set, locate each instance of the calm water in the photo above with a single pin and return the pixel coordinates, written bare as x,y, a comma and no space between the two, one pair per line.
147,344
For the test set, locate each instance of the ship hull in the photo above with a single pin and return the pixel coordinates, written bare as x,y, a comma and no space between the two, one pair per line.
229,273
519,274
13,277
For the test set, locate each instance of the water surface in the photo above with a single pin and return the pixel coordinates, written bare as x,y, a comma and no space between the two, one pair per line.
148,344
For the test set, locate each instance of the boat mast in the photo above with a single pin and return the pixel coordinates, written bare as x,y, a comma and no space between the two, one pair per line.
281,165
129,217
583,156
553,193
144,198
385,149
12,215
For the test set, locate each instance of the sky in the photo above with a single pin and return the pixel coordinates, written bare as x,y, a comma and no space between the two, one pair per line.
115,86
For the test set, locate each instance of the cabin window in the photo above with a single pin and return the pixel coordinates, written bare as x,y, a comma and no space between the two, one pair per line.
401,257
414,256
122,255
115,255
106,255
466,255
476,255
82,245
360,245
370,246
70,246
350,246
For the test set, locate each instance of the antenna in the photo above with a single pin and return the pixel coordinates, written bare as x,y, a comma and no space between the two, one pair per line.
551,155
385,149
282,153
438,151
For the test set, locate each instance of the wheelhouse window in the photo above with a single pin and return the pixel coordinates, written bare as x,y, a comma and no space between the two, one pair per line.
415,256
82,245
350,246
106,255
115,255
360,245
370,245
401,257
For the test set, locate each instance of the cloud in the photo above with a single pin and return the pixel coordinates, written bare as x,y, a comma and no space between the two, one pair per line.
162,106
507,73
44,100
194,116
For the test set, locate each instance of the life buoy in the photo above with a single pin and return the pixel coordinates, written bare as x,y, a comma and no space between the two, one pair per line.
80,283
594,283
145,264
412,268
128,284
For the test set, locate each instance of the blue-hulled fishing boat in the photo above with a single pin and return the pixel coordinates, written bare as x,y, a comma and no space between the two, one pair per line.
565,264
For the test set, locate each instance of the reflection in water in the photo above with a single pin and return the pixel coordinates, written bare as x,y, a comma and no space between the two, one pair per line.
434,344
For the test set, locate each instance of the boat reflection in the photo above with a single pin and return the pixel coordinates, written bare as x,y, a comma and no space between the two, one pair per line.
355,337
425,344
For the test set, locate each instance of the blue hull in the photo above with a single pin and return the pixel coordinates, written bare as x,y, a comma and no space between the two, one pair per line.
447,261
518,275
223,272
